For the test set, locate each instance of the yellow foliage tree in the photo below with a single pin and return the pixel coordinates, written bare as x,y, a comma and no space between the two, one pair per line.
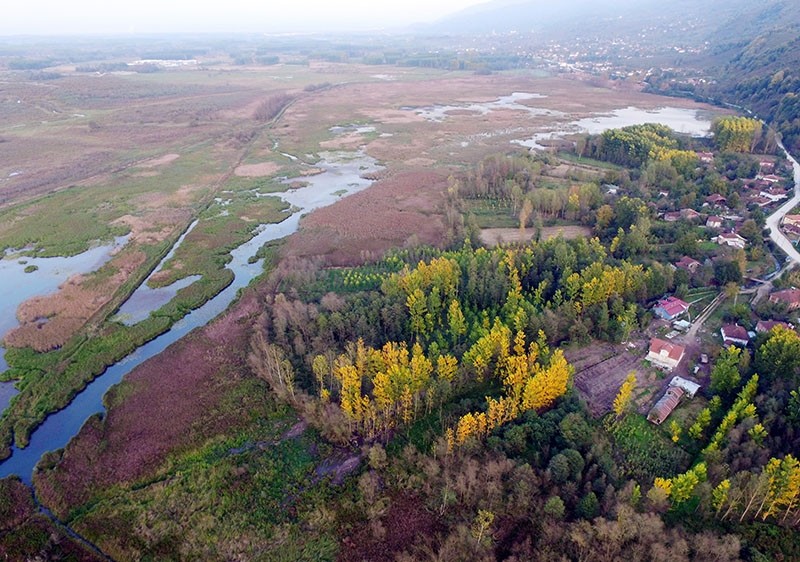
623,399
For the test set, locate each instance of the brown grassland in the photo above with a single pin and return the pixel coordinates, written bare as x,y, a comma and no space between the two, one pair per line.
495,236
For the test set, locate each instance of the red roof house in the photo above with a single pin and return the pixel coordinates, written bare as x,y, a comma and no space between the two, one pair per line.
670,308
688,264
767,325
733,334
789,297
665,354
690,214
716,199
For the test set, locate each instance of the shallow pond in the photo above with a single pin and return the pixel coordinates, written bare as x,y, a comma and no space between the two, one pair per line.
342,173
686,121
17,286
439,113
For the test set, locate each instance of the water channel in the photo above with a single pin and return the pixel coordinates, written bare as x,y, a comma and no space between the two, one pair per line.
342,175
146,299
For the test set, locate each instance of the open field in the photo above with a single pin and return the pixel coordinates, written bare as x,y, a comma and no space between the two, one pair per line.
601,368
495,236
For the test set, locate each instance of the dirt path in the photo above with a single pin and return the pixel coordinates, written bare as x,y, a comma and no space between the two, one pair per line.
691,335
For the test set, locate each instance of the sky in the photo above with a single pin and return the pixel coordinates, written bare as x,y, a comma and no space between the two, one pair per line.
46,17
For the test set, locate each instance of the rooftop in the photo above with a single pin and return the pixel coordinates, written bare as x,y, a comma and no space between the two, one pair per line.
666,349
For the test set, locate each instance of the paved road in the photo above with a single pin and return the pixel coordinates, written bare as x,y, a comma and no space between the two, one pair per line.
774,220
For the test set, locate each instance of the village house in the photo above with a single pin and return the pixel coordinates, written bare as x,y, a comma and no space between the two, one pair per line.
706,157
673,216
716,200
730,239
690,214
666,405
789,297
665,354
792,220
774,194
759,201
670,308
732,218
766,166
758,185
733,334
764,326
687,264
714,222
771,178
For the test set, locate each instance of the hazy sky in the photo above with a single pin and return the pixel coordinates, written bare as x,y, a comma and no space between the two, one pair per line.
142,16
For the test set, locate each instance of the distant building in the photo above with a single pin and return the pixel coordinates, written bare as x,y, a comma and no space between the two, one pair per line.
791,220
766,166
730,239
674,216
611,189
666,405
670,308
733,334
687,264
775,194
714,222
706,157
789,297
690,214
760,201
716,199
767,325
771,178
665,354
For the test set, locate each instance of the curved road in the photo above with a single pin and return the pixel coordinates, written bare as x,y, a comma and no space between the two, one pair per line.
774,220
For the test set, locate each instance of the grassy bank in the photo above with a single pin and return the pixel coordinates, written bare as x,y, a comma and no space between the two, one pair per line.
49,381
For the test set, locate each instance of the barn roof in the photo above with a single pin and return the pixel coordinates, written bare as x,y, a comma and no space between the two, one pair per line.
666,405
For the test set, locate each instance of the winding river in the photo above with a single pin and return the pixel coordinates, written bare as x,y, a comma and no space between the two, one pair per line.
342,175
